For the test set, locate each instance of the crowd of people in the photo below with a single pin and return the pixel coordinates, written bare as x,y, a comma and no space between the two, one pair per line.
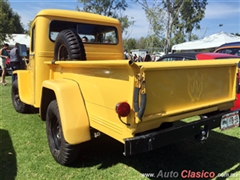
15,59
146,58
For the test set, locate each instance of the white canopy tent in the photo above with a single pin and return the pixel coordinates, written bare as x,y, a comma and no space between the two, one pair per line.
212,41
19,38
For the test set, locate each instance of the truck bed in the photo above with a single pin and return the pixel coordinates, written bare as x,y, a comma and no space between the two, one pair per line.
157,92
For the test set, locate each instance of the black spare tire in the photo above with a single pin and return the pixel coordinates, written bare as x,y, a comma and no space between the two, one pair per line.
69,46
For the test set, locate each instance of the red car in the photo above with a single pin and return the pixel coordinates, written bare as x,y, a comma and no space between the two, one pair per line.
204,56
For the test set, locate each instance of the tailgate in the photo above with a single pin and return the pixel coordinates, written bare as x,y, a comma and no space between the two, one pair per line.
177,87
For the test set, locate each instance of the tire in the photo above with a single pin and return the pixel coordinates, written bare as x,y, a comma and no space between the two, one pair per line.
69,46
18,105
62,152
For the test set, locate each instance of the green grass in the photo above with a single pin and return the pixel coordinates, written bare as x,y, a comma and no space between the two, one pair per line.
24,153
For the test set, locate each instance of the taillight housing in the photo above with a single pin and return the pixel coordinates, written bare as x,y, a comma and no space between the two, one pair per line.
123,109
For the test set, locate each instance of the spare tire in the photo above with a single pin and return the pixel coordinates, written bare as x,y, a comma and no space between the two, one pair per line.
69,46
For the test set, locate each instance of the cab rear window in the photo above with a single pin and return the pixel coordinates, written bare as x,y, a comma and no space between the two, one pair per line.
93,33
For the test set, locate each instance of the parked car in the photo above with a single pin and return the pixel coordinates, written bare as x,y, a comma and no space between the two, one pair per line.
195,56
229,48
203,56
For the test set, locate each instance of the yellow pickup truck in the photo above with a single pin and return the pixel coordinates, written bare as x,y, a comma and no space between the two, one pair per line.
84,88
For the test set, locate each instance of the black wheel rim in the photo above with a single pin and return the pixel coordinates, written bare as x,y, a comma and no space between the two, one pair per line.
56,133
17,100
63,53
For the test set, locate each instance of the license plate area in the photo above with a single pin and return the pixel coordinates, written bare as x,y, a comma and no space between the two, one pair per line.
229,120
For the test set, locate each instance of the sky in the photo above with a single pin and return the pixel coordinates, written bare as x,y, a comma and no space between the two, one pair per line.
225,12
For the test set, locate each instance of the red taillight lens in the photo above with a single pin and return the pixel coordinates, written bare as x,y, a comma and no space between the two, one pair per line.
123,109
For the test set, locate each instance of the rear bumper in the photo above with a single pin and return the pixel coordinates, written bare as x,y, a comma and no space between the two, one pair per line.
154,140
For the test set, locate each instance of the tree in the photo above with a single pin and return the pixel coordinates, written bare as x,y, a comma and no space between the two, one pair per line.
236,34
191,14
10,22
29,27
174,17
111,8
130,43
150,43
142,43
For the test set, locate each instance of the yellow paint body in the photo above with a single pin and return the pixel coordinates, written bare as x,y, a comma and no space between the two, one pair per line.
87,92
73,114
174,90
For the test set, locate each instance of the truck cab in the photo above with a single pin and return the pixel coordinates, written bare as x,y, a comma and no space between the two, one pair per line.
44,30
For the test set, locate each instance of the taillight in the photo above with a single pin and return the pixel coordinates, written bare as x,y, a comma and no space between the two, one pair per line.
123,109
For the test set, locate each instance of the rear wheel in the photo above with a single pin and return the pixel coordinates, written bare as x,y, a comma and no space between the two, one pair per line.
61,151
18,105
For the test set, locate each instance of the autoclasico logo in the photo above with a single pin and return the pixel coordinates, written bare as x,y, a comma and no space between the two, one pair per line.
186,174
198,174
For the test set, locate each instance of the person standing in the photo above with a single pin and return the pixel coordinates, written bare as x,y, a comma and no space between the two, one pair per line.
16,61
135,58
130,56
126,54
3,57
147,57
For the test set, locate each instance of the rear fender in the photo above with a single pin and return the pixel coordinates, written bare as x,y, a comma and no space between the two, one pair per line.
73,113
24,86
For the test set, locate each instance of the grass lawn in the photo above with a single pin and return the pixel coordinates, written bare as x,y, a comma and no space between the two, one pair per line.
24,153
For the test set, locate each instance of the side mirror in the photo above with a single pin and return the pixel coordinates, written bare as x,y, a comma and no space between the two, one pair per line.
22,48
